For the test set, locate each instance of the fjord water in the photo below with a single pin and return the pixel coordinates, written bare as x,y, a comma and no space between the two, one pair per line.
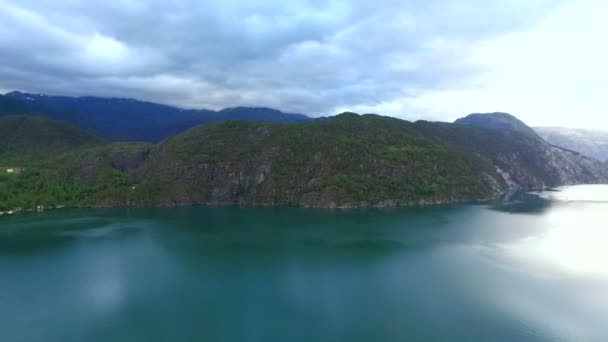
533,267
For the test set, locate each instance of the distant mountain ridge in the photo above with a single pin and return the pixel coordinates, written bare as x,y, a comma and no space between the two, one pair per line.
120,119
593,143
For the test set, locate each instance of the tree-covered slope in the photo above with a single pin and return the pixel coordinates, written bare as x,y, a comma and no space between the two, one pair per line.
343,161
348,160
29,137
90,175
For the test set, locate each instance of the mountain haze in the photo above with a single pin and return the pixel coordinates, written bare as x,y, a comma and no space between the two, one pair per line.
119,119
592,143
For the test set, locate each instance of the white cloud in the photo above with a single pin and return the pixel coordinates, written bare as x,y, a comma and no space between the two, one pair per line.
541,60
552,74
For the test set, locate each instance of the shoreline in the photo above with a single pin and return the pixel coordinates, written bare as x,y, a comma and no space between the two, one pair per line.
382,205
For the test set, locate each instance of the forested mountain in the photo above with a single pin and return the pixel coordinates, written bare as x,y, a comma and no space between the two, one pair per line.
343,161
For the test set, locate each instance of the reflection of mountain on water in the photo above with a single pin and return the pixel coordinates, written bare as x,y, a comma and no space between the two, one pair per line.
520,202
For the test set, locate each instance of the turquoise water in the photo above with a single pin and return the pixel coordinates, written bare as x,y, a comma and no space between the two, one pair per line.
530,268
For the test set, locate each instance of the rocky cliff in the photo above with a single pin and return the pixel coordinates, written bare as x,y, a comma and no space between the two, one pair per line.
592,143
526,160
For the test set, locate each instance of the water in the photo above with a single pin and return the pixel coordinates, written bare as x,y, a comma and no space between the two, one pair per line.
531,268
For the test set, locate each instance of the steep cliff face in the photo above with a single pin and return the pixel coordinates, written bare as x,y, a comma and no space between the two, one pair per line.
524,159
591,143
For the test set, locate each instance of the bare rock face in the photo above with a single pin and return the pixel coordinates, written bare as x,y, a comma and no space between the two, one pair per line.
575,168
531,162
592,143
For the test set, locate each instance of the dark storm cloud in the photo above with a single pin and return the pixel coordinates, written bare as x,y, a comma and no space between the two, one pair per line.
310,56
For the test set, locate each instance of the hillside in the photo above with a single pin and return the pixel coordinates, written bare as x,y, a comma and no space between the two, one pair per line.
524,158
343,161
41,154
118,119
27,137
349,160
588,142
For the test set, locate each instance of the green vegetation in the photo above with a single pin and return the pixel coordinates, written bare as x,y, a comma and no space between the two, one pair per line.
56,164
349,160
345,161
30,139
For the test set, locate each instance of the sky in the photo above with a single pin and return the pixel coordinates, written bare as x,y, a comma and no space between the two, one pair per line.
541,60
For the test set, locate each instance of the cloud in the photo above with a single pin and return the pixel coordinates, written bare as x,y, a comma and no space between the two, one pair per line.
553,74
315,56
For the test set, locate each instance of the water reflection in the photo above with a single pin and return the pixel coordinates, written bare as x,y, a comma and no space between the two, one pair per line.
554,277
529,269
520,202
573,237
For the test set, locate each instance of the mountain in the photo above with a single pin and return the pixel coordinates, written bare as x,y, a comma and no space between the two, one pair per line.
259,114
130,120
348,160
34,137
10,106
592,143
513,147
343,161
501,122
